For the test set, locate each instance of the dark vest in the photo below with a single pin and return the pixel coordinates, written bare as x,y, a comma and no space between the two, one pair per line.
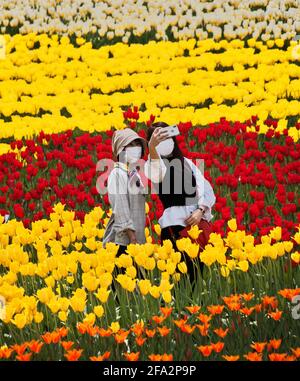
178,187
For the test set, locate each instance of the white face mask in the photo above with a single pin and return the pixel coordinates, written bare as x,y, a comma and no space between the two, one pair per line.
165,148
133,154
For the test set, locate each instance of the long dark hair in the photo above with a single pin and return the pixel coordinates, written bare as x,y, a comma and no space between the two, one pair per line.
176,153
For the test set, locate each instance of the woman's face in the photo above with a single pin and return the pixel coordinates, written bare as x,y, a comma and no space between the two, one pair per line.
166,148
133,152
134,143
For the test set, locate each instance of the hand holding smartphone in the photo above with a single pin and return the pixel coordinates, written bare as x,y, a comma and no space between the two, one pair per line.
171,130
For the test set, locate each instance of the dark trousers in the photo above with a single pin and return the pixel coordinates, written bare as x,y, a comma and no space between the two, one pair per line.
121,250
173,233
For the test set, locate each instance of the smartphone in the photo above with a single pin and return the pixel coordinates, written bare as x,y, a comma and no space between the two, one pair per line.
172,130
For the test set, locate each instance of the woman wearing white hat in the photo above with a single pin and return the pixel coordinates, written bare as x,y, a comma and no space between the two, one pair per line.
126,192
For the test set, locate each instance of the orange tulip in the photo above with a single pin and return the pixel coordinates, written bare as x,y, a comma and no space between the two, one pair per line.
87,328
92,331
234,306
121,336
204,318
47,337
150,332
19,349
138,329
103,357
67,345
154,357
55,337
296,352
203,329
51,337
179,323
215,310
290,358
247,311
288,293
187,328
275,315
24,357
166,357
166,311
231,358
274,344
193,309
164,331
258,307
132,356
82,328
248,297
269,301
158,319
63,331
35,346
5,353
205,350
217,347
253,356
277,356
231,299
73,355
140,340
258,347
221,332
104,332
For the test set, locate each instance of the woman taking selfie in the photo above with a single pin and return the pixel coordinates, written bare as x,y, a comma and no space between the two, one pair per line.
187,197
126,192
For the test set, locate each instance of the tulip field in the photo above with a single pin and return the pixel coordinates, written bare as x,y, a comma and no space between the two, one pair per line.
68,80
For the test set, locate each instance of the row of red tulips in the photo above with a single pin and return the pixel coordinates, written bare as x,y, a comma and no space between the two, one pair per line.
255,176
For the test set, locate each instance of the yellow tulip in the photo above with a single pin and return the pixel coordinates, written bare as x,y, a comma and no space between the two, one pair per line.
63,316
154,291
288,246
296,257
144,286
194,232
167,297
161,265
77,304
131,272
54,306
275,233
170,268
19,321
115,327
192,250
182,267
99,311
243,265
225,271
90,319
232,224
105,280
70,279
102,294
157,229
38,317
